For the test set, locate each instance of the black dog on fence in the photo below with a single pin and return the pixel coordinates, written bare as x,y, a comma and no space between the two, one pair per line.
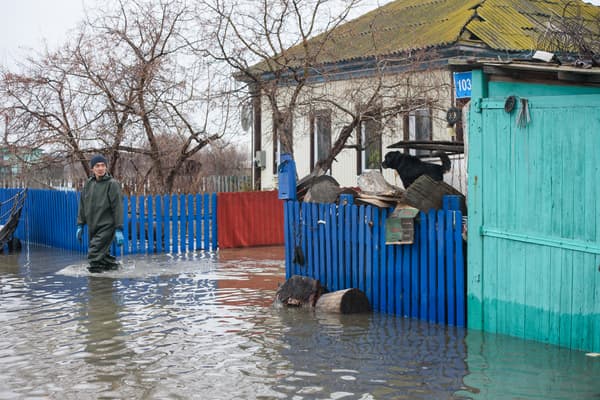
410,167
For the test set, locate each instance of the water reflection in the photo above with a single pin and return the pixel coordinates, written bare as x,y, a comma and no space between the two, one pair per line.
105,343
198,326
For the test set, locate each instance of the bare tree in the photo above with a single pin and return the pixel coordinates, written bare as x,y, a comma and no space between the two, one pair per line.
128,79
282,50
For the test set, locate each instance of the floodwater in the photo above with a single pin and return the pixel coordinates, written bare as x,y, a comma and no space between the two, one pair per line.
202,326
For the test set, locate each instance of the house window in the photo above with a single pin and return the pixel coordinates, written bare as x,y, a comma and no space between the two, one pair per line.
417,127
286,130
320,136
370,137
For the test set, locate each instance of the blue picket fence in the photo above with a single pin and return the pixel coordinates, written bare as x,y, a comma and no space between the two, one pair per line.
152,224
343,246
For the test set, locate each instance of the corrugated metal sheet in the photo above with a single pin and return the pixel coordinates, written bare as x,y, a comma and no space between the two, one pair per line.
406,25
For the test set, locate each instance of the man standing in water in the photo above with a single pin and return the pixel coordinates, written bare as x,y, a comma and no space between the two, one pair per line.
101,208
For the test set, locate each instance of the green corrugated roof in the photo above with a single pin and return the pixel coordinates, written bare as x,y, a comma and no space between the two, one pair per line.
405,25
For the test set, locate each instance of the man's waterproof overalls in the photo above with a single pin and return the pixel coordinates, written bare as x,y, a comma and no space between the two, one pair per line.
101,208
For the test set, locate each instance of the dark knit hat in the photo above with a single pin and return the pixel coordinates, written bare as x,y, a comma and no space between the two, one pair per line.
96,159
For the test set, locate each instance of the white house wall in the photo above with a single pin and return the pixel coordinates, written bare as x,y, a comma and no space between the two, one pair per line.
344,168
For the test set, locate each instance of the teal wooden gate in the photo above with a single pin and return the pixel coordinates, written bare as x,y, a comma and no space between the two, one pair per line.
534,219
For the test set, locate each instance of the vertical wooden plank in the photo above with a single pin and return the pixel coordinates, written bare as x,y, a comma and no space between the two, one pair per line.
348,259
391,279
414,277
321,242
143,225
167,223
199,219
334,249
314,214
310,271
398,295
126,225
190,223
450,267
432,265
369,252
151,226
376,259
306,239
342,244
298,236
382,268
406,282
209,220
174,224
134,226
182,220
354,228
160,244
214,222
328,237
461,311
441,273
424,267
361,249
287,242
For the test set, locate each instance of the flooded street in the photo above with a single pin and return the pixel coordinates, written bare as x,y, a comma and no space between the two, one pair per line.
203,327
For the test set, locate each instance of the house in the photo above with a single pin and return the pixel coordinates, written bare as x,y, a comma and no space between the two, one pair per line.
387,71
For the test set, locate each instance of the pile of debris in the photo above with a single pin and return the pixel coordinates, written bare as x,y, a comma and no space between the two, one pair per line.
423,194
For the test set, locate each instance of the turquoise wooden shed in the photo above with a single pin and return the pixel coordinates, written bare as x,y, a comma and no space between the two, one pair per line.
534,202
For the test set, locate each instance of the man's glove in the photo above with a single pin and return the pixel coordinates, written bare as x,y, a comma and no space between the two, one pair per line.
119,237
79,233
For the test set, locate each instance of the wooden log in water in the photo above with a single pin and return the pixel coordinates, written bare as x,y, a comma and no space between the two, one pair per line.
347,301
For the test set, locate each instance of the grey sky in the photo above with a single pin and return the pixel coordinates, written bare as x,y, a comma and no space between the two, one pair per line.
29,24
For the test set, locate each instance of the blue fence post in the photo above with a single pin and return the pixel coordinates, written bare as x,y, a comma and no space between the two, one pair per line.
361,250
441,272
182,221
151,226
383,268
328,236
414,275
207,221
376,263
190,223
307,239
159,224
432,265
390,282
288,245
406,286
167,222
215,225
354,233
322,238
314,226
174,225
334,271
144,226
423,261
460,273
450,272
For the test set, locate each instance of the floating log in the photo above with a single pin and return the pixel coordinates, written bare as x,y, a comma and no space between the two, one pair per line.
347,301
299,291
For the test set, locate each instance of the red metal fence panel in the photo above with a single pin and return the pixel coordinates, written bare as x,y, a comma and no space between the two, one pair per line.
249,219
